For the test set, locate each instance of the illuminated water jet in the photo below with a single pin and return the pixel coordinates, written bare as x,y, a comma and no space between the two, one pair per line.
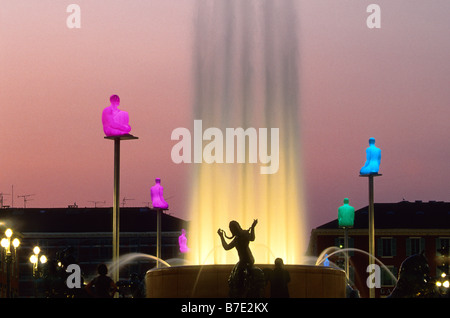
246,75
128,258
337,250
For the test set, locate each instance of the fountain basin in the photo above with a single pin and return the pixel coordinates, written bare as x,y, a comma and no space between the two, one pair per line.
211,281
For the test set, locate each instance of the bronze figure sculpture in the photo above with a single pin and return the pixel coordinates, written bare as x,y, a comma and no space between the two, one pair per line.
245,279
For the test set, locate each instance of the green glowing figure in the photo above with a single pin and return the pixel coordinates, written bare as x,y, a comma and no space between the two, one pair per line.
346,215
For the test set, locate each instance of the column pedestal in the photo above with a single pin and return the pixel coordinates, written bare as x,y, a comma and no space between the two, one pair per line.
116,200
371,224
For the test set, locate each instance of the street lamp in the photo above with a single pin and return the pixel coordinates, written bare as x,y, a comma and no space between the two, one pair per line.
34,259
6,243
443,284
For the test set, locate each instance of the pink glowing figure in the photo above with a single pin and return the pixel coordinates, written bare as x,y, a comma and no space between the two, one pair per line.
182,241
115,121
156,193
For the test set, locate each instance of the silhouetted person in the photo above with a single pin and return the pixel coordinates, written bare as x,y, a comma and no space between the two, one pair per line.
279,279
102,286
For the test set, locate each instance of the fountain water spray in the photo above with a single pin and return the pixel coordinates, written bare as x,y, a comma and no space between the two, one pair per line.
246,75
128,258
336,250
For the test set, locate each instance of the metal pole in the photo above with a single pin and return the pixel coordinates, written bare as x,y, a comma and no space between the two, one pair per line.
8,275
371,231
116,202
158,237
346,252
116,207
371,225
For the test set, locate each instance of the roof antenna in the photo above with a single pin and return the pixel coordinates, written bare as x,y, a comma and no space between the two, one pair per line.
125,200
25,199
95,203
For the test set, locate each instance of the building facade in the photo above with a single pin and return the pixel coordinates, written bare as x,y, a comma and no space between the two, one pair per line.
401,229
83,236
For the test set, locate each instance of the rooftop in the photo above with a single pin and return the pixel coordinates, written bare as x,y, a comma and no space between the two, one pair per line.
402,215
132,219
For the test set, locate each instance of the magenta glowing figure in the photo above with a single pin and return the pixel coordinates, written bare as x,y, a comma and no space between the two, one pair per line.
115,121
182,241
156,193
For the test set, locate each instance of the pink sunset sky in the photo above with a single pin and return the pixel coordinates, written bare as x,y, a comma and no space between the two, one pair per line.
390,83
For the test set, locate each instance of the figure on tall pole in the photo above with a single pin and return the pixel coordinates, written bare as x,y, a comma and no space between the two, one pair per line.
115,121
157,196
116,127
370,170
346,217
158,203
373,158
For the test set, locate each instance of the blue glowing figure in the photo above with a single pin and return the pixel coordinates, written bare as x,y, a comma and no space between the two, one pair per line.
326,262
373,158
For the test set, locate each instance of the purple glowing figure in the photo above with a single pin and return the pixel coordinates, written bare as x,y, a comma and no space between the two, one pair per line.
115,121
182,241
156,193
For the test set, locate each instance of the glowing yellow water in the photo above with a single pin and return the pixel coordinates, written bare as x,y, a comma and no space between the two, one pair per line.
246,74
226,192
